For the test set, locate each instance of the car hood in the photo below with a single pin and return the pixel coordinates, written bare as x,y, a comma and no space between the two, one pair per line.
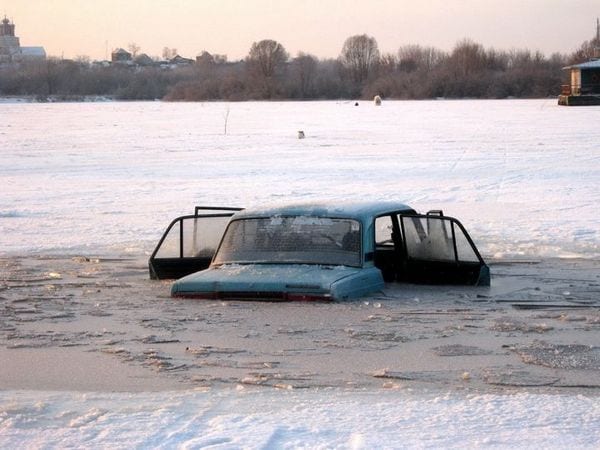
266,282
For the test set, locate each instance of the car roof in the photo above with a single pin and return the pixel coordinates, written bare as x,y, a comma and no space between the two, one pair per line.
355,210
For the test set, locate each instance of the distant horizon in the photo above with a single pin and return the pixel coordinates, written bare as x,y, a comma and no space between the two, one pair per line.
68,28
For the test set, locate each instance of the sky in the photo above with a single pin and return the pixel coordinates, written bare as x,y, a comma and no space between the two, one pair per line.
71,28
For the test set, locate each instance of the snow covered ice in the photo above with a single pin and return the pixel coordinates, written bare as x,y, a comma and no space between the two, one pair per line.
312,419
104,179
522,175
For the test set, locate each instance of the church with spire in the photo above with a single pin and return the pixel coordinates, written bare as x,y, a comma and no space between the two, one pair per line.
10,46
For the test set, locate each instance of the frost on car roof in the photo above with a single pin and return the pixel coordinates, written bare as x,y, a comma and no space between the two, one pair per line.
323,209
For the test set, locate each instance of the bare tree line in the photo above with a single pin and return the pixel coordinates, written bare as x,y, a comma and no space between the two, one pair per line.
268,72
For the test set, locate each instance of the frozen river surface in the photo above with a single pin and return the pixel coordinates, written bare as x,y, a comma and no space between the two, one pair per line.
105,179
523,176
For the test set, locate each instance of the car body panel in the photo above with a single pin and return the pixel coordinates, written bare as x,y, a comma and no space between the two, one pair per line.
273,281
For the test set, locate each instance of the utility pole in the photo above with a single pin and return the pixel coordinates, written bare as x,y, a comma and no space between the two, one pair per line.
596,52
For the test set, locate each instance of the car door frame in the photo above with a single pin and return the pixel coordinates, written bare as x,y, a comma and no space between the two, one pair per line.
161,268
441,271
407,268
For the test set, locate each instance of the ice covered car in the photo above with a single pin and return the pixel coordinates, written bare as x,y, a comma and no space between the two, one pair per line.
313,252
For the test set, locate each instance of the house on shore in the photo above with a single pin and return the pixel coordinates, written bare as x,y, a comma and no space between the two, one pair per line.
124,58
143,60
121,56
584,86
179,60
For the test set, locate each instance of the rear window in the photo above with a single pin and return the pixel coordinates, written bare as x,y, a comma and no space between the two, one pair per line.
298,239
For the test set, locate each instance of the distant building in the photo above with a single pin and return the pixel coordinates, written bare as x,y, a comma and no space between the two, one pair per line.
205,58
143,60
121,56
10,46
584,86
181,61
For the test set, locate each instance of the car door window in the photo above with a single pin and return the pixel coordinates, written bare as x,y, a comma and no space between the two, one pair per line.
429,238
189,242
464,248
439,251
201,235
383,230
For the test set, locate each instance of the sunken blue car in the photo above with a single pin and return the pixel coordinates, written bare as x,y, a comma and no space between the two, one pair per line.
313,252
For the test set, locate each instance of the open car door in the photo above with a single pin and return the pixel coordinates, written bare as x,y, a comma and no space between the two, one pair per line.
438,250
189,243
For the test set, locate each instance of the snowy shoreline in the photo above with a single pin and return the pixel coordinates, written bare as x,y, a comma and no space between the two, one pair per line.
107,98
20,99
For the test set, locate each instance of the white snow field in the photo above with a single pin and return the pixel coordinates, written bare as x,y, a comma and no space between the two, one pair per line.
309,419
522,175
106,178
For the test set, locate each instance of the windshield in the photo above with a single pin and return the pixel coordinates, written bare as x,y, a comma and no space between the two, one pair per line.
299,239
